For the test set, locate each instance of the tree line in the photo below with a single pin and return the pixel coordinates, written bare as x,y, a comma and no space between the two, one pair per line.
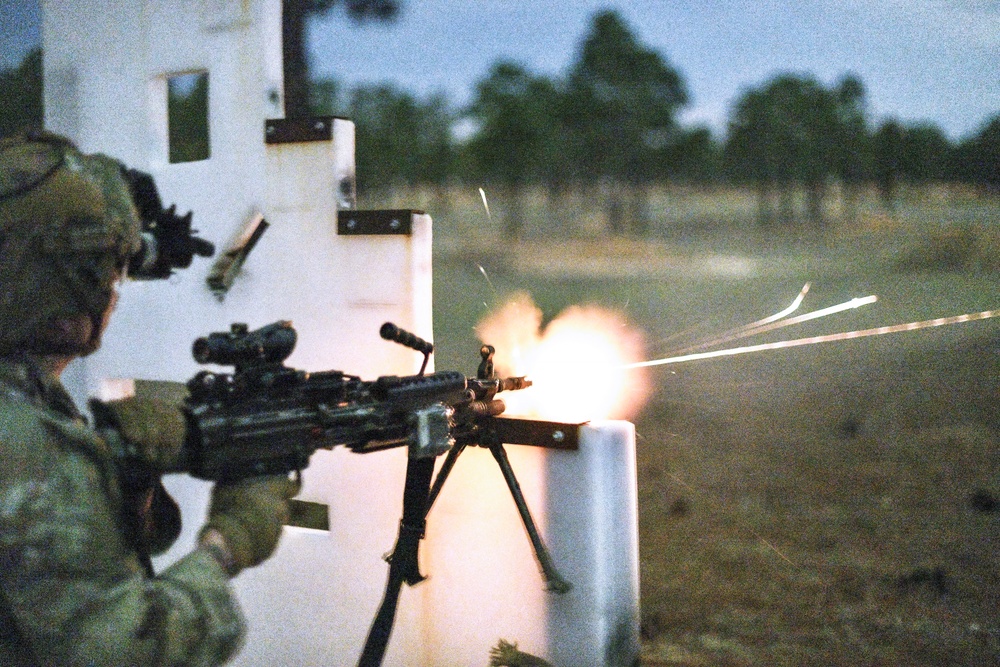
609,126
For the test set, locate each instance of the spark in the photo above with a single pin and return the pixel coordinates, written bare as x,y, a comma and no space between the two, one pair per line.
486,204
748,329
772,547
753,532
682,483
814,315
682,334
813,340
777,316
488,281
787,311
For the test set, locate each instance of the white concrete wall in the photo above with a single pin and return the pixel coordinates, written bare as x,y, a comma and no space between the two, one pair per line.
106,67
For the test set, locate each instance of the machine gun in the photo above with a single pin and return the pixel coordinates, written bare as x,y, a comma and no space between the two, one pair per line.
267,418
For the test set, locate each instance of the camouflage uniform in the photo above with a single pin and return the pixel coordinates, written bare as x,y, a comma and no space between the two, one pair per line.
74,591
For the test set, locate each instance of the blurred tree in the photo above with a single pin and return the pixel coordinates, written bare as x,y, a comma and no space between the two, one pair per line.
853,145
563,157
918,153
325,98
623,97
977,159
783,136
986,157
750,154
887,147
295,17
21,95
517,137
925,153
692,155
400,140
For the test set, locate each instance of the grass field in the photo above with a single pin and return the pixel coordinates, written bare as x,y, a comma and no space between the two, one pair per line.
836,504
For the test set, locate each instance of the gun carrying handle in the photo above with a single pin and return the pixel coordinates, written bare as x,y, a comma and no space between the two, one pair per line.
390,331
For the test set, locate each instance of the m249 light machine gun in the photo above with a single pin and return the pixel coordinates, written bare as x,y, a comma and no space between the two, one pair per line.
267,418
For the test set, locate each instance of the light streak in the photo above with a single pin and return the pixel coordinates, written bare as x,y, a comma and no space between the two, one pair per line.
767,543
784,313
772,547
747,329
486,204
814,315
813,340
488,281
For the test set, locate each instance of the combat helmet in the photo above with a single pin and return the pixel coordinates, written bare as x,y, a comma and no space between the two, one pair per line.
68,227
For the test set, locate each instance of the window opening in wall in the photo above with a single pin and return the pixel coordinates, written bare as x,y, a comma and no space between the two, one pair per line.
187,117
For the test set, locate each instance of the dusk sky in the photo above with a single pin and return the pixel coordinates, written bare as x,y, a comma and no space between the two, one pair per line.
921,60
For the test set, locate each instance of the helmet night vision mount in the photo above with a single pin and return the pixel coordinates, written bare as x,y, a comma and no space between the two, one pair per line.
168,242
31,160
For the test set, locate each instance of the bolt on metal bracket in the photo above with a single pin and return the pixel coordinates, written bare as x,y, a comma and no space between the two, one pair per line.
382,222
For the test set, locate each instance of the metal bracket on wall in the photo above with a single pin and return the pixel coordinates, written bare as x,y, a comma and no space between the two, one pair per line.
296,130
384,222
536,433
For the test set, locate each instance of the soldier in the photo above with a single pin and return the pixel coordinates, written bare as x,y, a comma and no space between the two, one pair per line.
77,524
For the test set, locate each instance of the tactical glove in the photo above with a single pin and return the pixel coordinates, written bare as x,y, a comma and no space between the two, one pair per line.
150,437
249,514
153,430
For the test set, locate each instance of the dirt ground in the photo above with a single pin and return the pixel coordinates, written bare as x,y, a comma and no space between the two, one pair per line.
836,504
789,517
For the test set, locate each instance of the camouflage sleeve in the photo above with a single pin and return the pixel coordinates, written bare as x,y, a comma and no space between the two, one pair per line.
77,593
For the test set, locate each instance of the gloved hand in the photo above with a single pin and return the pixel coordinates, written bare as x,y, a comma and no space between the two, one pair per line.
248,515
151,438
154,430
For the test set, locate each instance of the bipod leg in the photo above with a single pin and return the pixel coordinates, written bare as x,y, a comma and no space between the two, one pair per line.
442,476
553,580
403,562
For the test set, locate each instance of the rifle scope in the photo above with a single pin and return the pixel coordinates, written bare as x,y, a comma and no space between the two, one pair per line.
270,344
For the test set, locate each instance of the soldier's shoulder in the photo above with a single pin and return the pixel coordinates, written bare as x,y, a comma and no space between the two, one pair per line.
30,436
51,478
23,432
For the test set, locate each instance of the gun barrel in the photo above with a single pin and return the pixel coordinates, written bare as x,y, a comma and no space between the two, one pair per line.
514,384
168,242
492,408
